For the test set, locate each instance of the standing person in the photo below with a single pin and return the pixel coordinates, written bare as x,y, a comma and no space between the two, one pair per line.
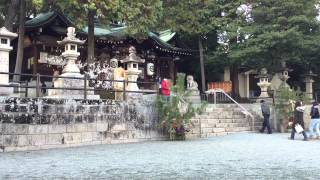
266,115
298,119
165,89
315,121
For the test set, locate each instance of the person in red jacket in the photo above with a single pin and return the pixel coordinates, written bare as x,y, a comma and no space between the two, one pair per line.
165,88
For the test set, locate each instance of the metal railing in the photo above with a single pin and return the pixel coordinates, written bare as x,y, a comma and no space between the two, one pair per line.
219,93
86,88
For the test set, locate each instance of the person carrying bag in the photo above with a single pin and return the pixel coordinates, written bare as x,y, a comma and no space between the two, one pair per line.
298,123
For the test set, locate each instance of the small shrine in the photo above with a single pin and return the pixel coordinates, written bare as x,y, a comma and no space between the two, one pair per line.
42,53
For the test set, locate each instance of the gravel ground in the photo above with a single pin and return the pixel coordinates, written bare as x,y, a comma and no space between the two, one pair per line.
235,156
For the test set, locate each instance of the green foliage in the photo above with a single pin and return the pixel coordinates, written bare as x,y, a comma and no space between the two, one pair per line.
140,16
177,112
285,101
191,17
280,31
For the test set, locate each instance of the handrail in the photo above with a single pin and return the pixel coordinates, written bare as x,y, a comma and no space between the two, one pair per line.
246,112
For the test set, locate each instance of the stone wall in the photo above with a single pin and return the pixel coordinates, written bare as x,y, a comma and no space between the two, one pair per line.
33,124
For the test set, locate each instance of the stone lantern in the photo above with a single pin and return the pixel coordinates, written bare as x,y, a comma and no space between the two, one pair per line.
309,81
5,38
71,70
71,51
263,83
132,62
284,76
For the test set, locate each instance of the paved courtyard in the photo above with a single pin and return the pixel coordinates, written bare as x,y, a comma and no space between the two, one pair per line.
236,156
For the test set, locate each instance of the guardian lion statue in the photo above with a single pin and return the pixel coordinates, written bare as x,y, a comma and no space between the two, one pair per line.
191,84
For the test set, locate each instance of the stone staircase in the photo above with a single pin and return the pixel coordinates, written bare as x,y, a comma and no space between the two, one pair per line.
222,119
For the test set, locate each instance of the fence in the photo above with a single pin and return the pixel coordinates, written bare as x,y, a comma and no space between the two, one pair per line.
221,98
86,88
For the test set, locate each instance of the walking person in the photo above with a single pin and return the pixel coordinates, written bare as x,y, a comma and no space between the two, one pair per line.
266,115
298,119
315,121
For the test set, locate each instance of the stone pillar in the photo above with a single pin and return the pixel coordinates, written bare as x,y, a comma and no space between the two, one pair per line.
5,38
309,89
247,85
226,75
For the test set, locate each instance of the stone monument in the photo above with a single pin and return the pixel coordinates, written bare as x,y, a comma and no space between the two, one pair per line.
71,70
192,89
5,38
132,62
263,83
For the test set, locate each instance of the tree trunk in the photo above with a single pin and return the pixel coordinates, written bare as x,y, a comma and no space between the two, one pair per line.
11,14
203,79
235,80
22,14
90,36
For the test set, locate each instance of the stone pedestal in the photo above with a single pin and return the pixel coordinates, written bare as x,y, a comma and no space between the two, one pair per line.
194,96
132,76
5,38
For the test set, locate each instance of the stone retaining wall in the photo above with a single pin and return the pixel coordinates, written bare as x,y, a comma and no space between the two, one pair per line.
33,124
23,137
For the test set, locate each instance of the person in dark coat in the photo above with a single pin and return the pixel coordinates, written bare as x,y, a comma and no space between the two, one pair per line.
266,115
298,119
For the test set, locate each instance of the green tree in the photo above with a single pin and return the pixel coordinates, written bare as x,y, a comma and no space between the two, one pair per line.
194,17
9,16
279,31
138,15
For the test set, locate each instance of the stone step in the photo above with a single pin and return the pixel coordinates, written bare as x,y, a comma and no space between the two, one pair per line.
237,129
241,120
226,125
220,116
